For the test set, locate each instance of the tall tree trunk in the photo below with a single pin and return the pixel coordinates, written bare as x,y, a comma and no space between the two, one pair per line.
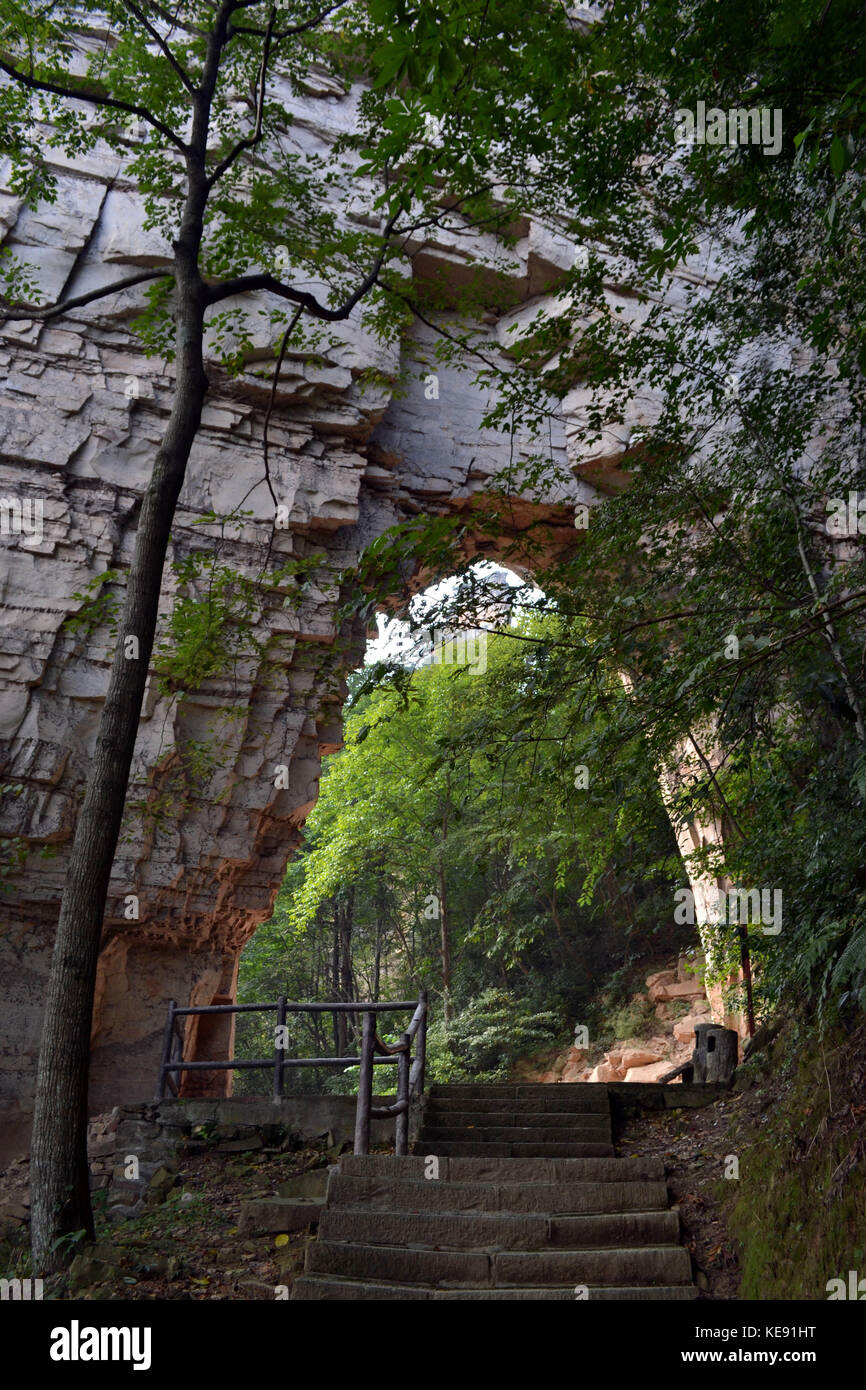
59,1178
339,1018
381,901
347,977
444,932
444,943
58,1163
377,962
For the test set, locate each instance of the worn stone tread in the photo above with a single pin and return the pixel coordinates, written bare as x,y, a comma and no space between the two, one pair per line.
318,1286
513,1193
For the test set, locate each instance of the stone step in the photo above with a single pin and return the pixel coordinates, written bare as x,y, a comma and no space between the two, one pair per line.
500,1230
553,1198
552,1104
464,1149
581,1096
515,1134
513,1194
311,1287
591,1121
277,1215
666,1264
490,1168
496,1088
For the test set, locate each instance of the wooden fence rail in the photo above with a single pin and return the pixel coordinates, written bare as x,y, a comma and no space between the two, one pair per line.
374,1052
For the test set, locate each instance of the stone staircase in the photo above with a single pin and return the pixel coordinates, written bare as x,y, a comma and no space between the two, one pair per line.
513,1193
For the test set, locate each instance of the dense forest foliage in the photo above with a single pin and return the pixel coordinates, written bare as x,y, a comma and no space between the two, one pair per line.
454,846
714,604
708,349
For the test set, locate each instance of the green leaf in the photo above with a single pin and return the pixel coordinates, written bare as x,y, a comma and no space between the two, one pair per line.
838,157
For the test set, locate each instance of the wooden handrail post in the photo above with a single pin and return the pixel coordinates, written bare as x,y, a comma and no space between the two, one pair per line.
279,1047
401,1146
167,1045
416,1075
421,1046
177,1043
365,1084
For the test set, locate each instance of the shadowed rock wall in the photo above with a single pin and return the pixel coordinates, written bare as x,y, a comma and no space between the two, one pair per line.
222,781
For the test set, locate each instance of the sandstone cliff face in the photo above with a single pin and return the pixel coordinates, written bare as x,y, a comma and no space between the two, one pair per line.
222,780
207,835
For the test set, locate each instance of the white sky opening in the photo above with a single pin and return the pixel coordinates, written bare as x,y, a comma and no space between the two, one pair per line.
395,642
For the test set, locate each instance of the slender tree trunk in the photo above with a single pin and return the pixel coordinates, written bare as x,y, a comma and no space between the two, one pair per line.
444,944
347,977
59,1178
746,967
377,962
58,1163
408,946
339,1018
553,908
444,925
381,902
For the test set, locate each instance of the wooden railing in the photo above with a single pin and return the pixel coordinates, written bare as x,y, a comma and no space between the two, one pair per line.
410,1076
374,1052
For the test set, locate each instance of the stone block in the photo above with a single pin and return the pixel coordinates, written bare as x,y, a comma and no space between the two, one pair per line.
690,989
278,1215
648,1073
634,1057
605,1072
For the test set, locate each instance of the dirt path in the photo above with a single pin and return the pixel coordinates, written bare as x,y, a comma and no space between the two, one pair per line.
694,1145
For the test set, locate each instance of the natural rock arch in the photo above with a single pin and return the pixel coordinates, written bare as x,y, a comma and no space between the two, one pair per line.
205,849
204,879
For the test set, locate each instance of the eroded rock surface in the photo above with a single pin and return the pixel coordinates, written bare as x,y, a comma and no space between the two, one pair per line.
223,780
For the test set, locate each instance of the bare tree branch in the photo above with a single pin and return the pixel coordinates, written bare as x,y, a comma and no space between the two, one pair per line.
443,332
244,284
713,776
265,441
35,84
279,34
162,43
250,141
34,311
175,22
